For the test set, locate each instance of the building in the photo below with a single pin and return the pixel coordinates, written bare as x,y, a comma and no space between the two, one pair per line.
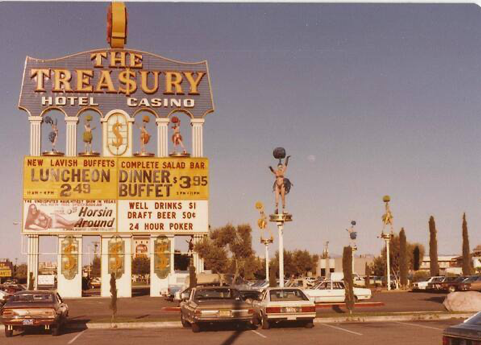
335,265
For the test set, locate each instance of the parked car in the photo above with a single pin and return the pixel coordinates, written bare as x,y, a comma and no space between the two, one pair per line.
468,332
442,285
178,294
250,295
172,290
453,285
208,305
333,291
423,285
95,283
284,305
261,285
473,283
34,309
302,283
3,297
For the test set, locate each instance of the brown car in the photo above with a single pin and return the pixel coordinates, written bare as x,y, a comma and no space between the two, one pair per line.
473,283
208,305
34,309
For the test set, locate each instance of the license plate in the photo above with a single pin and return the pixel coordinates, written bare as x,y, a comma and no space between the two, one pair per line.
291,310
225,313
27,322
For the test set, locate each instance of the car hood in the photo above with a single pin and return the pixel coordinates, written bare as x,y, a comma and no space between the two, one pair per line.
465,331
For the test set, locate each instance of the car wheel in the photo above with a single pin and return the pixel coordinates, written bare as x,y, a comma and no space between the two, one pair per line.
309,324
56,330
452,288
252,325
183,321
265,322
8,333
196,328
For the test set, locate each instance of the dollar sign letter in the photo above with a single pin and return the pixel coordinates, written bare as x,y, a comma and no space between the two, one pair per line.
116,129
70,258
130,85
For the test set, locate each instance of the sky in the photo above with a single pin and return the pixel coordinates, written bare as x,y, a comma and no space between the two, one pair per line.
368,99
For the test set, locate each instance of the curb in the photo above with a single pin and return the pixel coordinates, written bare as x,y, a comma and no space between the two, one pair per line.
177,324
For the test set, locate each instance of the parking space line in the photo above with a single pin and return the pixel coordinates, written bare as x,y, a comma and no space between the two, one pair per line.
76,337
340,329
259,334
422,326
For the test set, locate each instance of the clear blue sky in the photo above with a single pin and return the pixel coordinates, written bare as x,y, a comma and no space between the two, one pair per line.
369,99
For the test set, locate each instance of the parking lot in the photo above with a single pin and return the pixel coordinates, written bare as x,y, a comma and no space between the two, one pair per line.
395,333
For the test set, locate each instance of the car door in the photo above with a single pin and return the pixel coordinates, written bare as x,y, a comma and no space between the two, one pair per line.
338,292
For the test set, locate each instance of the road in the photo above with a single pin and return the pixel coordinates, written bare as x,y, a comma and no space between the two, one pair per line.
393,333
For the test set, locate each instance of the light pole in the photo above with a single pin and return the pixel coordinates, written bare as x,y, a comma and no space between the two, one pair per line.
387,220
262,223
328,260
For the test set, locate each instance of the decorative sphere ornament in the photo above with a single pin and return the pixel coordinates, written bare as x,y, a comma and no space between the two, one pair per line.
353,223
279,153
386,198
175,119
259,205
88,118
146,119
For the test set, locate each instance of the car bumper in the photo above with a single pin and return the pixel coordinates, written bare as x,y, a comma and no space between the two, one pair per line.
291,317
34,323
246,318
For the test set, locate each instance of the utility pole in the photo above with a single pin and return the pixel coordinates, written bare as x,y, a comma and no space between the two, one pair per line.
387,221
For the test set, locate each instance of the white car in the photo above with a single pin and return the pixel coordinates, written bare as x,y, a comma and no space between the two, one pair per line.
3,296
283,305
424,284
329,291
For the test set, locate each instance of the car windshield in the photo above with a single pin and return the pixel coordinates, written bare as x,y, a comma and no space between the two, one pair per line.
215,294
474,320
288,295
459,279
470,279
32,298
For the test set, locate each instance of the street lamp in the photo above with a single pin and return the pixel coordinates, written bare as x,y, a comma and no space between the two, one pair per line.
262,223
387,220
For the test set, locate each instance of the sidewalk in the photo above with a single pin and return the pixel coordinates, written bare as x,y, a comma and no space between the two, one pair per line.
357,318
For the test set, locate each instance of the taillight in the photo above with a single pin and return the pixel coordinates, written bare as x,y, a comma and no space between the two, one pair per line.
445,340
250,311
271,310
198,312
311,309
8,313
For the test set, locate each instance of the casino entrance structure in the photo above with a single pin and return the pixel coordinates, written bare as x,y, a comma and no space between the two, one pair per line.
119,193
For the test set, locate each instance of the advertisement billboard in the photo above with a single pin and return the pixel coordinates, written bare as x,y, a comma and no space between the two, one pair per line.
115,195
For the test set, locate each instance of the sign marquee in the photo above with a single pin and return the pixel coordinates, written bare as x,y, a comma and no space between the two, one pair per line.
115,195
128,79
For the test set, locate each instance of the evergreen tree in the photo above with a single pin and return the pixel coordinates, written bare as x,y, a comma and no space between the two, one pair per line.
433,248
416,258
403,265
113,296
367,272
467,261
348,278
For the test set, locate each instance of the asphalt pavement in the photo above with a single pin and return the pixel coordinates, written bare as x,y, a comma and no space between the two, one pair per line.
393,333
